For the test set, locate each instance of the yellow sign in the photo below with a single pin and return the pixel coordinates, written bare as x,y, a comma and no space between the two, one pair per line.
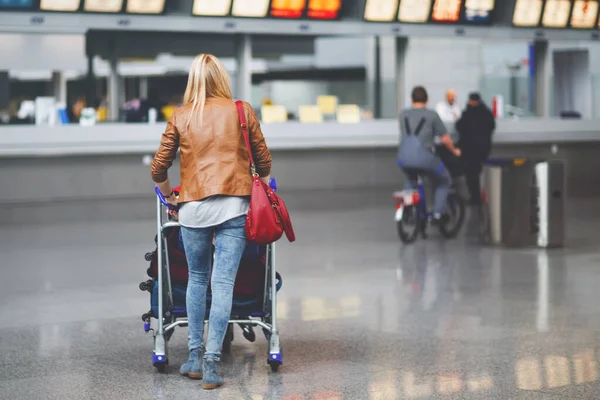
348,114
273,114
327,104
310,114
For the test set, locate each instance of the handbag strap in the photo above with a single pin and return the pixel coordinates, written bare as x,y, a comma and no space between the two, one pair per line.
244,125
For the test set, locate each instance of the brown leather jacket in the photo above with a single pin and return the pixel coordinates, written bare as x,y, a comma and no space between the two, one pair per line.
214,158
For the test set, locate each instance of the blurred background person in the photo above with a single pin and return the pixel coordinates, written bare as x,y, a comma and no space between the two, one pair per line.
475,127
421,128
449,110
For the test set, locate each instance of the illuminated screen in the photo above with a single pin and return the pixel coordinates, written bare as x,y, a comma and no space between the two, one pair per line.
218,8
103,5
288,8
478,10
16,3
584,14
59,5
381,10
446,10
556,13
527,13
145,6
324,9
414,10
250,8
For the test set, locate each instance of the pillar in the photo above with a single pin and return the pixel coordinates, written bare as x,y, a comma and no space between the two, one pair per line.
380,64
402,89
4,90
114,90
539,75
143,87
91,81
59,87
243,81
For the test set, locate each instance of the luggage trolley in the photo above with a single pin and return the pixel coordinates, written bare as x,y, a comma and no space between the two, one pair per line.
259,313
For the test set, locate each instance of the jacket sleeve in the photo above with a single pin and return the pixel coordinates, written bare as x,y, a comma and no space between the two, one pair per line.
167,151
260,151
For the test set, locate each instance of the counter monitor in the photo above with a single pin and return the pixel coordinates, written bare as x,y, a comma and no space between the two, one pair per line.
478,11
145,6
16,4
381,10
324,9
556,13
584,14
211,8
59,5
288,8
446,10
527,13
416,11
107,6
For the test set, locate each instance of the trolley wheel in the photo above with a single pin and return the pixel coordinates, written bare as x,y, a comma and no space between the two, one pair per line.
248,332
274,365
456,210
409,226
161,367
228,339
148,256
146,286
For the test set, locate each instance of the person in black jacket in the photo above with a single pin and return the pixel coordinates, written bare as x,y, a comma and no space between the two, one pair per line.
475,127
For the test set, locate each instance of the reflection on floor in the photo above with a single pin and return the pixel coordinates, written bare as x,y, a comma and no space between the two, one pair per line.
362,317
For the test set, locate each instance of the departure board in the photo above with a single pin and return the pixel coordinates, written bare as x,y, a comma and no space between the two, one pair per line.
556,13
414,11
478,11
211,8
446,10
107,6
16,4
145,6
59,5
584,14
527,13
250,8
381,10
288,8
324,9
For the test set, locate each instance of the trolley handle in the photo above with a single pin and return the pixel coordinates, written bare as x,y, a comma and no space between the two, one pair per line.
164,202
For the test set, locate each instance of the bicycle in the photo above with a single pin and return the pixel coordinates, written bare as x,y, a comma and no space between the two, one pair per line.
411,209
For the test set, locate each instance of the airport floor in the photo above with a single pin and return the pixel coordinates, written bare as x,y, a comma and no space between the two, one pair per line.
361,316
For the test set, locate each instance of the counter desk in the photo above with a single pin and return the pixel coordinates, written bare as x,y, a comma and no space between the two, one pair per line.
46,166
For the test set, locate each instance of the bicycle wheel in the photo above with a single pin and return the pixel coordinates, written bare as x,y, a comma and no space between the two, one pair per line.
455,206
409,226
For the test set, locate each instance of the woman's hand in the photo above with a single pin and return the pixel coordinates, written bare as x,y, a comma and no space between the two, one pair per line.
172,199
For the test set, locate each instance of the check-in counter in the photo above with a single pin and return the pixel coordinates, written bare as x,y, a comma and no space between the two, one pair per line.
45,166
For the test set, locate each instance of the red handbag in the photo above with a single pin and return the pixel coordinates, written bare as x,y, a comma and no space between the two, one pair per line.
267,217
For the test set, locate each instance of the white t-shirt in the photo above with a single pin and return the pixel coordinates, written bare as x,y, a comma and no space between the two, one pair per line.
447,112
212,211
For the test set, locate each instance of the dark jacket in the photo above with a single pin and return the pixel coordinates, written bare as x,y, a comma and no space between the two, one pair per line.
476,127
214,157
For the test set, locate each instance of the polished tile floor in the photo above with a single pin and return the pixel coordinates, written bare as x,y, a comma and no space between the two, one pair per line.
362,317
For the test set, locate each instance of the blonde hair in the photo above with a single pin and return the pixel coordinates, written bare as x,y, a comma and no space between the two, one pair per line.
207,79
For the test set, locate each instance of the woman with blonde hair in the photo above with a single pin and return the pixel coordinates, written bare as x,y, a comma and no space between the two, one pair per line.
214,199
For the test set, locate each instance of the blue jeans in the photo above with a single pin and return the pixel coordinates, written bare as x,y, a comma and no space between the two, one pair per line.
229,246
